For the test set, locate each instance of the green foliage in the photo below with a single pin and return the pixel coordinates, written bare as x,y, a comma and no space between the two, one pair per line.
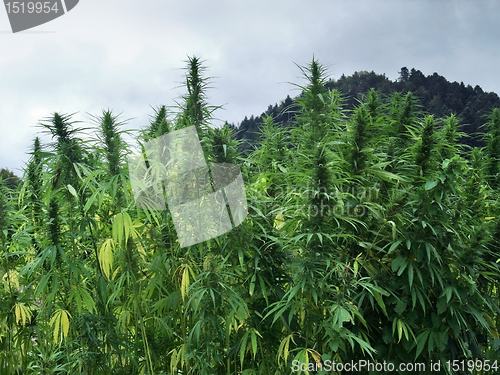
160,124
9,179
371,235
425,146
493,149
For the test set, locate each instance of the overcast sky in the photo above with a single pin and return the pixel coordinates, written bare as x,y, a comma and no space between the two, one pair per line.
126,55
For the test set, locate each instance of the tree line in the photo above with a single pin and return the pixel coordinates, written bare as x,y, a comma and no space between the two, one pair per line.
434,94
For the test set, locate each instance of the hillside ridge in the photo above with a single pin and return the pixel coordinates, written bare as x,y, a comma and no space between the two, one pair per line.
434,95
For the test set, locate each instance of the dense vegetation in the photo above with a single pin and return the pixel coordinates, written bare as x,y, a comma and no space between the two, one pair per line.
372,233
9,179
435,96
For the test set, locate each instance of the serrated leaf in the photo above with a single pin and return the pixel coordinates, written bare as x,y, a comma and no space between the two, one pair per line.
252,285
22,313
60,324
430,184
72,190
422,339
106,257
410,274
379,299
185,282
243,347
87,299
90,201
394,245
253,337
65,322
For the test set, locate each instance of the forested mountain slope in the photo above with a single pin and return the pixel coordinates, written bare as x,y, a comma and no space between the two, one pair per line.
433,93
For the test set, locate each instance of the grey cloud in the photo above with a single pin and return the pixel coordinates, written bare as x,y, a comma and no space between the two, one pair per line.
127,55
